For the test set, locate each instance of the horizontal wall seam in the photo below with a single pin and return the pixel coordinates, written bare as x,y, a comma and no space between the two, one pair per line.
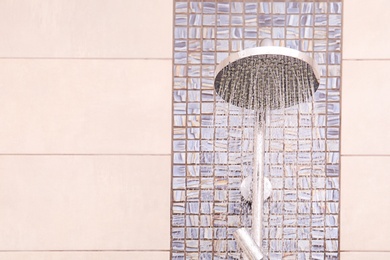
80,58
384,59
81,154
365,251
364,155
86,250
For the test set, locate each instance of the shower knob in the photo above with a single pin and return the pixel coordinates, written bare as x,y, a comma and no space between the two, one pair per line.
246,188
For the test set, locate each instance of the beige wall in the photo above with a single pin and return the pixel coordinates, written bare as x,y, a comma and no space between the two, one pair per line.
365,140
85,133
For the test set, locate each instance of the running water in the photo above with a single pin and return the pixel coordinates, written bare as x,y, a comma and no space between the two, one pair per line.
278,96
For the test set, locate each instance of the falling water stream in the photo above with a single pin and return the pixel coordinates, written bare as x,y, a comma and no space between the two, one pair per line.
279,98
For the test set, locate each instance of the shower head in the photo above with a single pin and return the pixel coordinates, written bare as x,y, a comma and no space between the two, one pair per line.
267,77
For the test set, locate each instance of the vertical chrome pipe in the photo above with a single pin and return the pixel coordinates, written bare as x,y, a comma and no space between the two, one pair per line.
258,184
247,244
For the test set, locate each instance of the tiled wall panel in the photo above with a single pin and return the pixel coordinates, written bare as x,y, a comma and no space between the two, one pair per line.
86,29
369,37
365,203
60,203
365,255
86,90
366,125
85,106
206,203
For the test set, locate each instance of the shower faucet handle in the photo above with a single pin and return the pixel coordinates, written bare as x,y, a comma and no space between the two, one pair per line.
246,188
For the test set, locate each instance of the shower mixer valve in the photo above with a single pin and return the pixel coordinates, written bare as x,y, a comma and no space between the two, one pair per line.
246,188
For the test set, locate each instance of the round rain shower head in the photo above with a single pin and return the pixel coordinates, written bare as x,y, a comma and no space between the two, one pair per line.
267,77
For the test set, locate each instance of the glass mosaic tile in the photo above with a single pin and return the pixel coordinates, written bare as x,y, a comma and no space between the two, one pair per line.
265,7
209,7
265,20
213,144
179,70
194,33
195,7
292,20
237,20
250,7
181,19
180,33
335,7
209,20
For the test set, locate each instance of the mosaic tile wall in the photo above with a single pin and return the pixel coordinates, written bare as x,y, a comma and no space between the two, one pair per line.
206,203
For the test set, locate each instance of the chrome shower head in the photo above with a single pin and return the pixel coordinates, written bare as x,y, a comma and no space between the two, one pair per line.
267,77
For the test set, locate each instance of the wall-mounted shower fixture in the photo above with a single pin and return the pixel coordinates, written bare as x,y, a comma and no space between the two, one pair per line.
263,79
246,188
